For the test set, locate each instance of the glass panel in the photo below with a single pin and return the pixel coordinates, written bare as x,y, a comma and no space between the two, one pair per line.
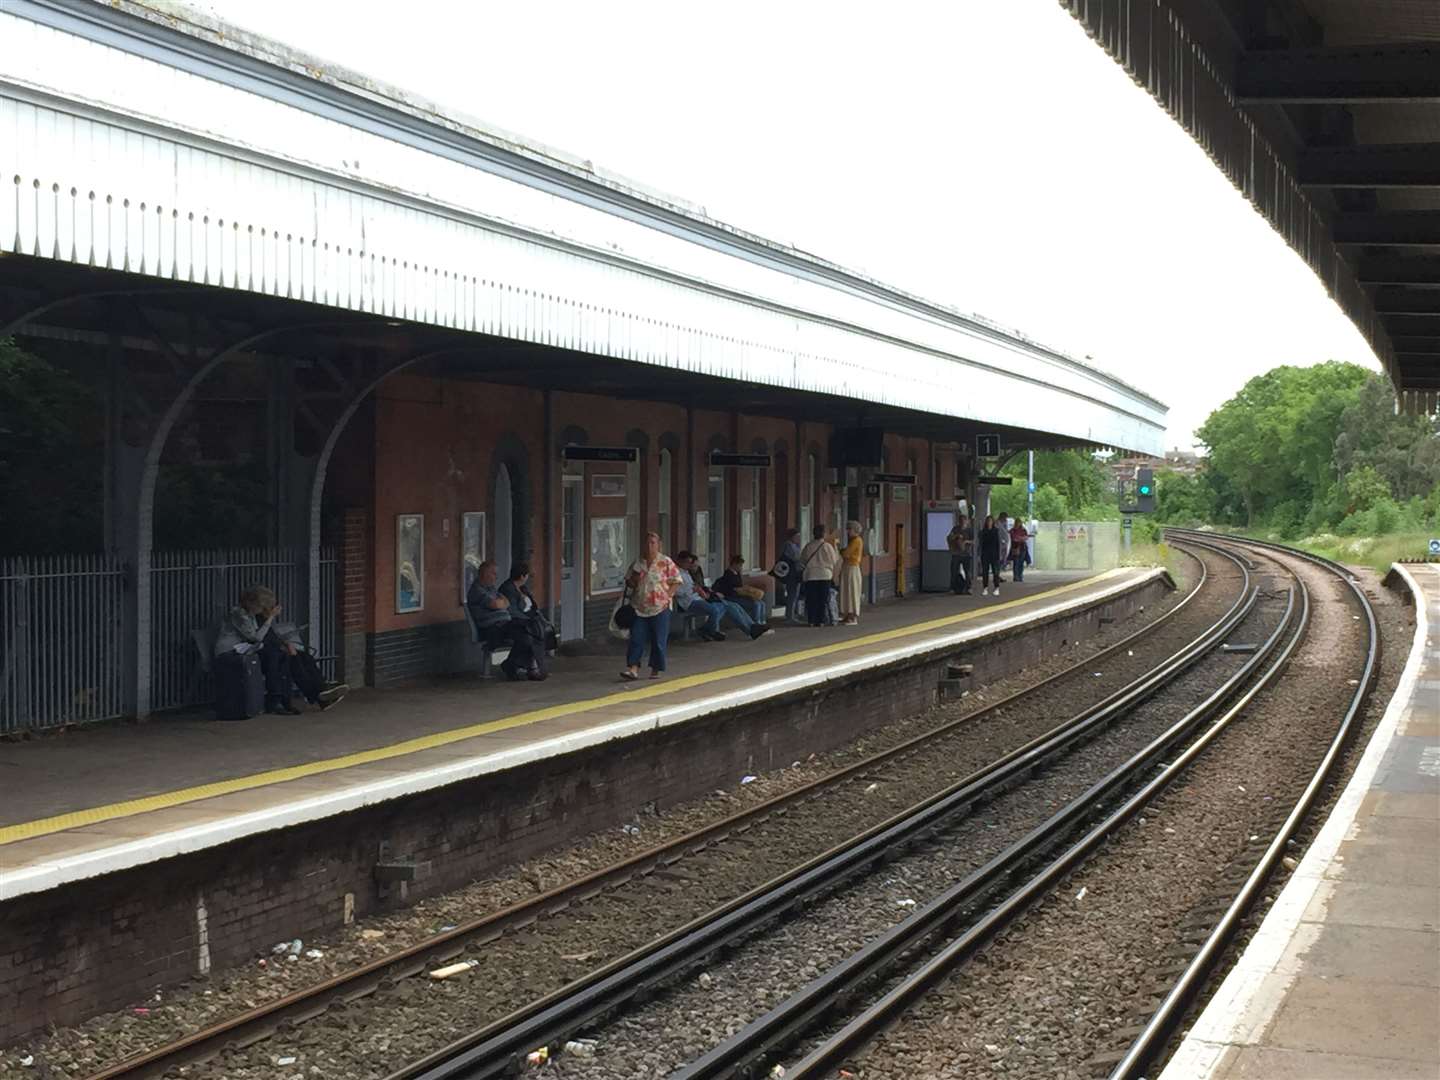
472,549
607,554
567,526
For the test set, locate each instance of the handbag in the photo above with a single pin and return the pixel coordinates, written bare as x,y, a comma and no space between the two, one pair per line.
623,617
781,570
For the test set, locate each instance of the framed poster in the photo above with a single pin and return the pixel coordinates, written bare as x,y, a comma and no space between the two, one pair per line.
608,558
409,562
607,486
472,549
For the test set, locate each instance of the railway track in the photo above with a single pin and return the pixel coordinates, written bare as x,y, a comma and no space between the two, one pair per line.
503,1046
259,1023
1212,938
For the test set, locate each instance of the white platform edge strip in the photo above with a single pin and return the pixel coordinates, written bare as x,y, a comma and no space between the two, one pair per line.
125,854
1248,1000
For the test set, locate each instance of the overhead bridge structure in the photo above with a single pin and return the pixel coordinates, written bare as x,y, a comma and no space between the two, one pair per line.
1326,115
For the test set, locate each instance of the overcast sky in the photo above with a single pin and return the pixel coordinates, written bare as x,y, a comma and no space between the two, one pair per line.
983,153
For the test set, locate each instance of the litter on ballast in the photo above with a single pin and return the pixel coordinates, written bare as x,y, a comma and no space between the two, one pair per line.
906,903
314,954
141,1011
287,1060
872,787
992,1048
1240,788
449,971
296,946
28,1060
581,1047
1098,674
777,1073
748,779
1254,837
705,980
630,830
371,935
538,1057
1081,894
794,764
1288,863
446,928
283,947
1129,652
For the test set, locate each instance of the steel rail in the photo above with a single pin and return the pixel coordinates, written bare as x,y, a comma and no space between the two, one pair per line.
260,1022
502,1045
950,906
1161,1025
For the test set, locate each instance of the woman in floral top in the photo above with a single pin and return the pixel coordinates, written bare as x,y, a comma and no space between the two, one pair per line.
652,581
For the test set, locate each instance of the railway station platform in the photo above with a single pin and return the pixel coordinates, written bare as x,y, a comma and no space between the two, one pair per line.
1342,979
143,855
103,799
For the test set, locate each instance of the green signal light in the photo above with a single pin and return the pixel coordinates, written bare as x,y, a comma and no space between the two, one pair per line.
1144,489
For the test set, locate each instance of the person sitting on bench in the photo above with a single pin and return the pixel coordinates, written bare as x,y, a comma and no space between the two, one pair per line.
527,620
254,624
491,614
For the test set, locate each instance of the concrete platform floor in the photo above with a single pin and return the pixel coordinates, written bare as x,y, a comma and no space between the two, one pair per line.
113,763
1342,980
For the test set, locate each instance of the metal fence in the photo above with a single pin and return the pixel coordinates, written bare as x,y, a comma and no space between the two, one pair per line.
62,649
63,627
191,590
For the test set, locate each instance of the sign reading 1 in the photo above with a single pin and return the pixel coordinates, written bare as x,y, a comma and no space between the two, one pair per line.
987,445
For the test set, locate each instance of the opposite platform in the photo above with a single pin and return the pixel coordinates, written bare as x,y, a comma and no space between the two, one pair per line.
1342,979
107,800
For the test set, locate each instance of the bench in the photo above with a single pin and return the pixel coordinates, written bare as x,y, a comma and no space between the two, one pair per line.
494,649
690,623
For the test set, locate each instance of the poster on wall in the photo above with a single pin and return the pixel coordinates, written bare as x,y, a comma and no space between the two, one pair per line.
472,549
608,561
409,562
607,486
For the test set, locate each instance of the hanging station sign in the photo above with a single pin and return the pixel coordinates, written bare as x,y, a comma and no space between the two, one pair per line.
600,453
894,478
739,461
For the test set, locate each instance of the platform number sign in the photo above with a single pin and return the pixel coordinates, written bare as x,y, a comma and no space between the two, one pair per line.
987,446
1435,547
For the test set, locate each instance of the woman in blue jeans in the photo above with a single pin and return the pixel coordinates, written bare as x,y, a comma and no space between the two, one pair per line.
653,581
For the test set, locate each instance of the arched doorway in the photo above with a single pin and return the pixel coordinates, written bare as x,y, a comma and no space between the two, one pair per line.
504,516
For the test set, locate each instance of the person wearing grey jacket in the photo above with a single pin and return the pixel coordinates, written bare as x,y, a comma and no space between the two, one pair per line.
254,625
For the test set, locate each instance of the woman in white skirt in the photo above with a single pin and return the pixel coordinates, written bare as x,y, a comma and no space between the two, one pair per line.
850,557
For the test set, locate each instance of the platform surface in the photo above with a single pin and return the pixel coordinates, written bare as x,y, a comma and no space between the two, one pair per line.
103,799
1342,980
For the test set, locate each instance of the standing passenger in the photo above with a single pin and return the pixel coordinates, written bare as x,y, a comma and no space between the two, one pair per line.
817,569
1019,548
853,552
653,581
957,540
1002,523
989,555
790,554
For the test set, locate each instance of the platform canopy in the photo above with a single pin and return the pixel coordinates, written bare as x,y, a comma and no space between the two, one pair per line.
1326,115
153,141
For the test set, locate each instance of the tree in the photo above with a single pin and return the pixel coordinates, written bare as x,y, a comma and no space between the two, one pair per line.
1401,448
1272,444
1182,499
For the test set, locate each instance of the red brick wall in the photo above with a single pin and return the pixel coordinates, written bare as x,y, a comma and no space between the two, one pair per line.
355,584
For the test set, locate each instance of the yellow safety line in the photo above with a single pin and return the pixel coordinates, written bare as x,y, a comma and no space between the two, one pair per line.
74,819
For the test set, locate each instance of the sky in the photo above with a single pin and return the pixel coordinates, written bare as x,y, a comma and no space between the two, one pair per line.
981,153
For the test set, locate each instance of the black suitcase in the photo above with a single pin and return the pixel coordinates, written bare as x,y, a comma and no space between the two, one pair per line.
239,686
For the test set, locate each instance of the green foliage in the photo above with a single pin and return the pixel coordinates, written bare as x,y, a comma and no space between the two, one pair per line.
51,450
1066,483
1181,499
1301,452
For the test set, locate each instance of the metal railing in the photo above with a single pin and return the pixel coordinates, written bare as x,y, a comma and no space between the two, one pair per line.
191,590
61,643
64,626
